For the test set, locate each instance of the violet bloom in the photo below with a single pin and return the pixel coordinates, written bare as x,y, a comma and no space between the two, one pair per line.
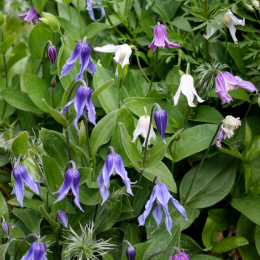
90,10
71,181
160,38
21,177
36,251
226,82
81,53
130,252
162,196
82,102
181,256
5,226
63,218
30,15
52,53
160,117
113,165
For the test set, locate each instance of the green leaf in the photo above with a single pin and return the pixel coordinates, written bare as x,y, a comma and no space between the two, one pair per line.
89,196
27,203
232,151
32,167
240,94
249,205
229,243
56,115
182,23
39,5
47,217
4,46
29,218
209,233
193,140
253,150
52,173
19,100
248,135
4,208
204,257
19,144
3,249
38,39
257,238
37,94
248,252
84,174
208,114
132,232
94,29
71,28
220,176
102,88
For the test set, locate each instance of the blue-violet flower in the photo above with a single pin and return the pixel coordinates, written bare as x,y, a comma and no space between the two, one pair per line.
30,15
181,256
52,53
160,118
130,252
63,218
36,251
90,10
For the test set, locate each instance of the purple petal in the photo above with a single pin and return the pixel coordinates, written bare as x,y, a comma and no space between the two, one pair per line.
52,54
5,228
28,179
75,188
221,135
90,107
160,118
152,46
91,66
63,218
247,85
29,254
18,186
130,252
229,78
224,97
84,60
64,110
91,11
179,207
158,32
30,15
39,251
157,214
182,256
168,219
168,44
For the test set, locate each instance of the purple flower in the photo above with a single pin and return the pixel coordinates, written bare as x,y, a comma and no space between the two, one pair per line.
81,53
30,15
82,102
130,252
160,117
162,196
21,177
63,218
113,165
181,256
52,54
36,251
160,38
5,226
226,82
71,181
90,10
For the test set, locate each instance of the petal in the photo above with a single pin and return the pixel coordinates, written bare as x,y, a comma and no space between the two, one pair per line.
84,60
110,48
28,179
247,85
168,220
89,5
64,110
221,135
75,188
39,251
91,68
158,215
179,207
212,31
177,96
232,30
137,131
67,68
229,78
152,46
90,107
160,118
18,186
63,218
29,254
158,32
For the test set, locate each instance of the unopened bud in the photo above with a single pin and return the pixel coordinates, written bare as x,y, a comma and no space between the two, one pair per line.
5,226
179,256
53,82
63,218
52,54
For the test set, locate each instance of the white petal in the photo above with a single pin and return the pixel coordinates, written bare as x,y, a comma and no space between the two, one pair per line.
212,31
110,48
232,30
137,131
177,96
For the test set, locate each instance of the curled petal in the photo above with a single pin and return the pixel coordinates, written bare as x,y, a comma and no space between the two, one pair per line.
179,207
158,215
65,109
110,48
63,218
18,186
75,188
29,254
28,180
39,251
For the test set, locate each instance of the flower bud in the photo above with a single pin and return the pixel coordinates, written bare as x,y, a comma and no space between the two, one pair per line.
181,256
5,228
63,218
160,117
52,54
130,252
53,82
51,21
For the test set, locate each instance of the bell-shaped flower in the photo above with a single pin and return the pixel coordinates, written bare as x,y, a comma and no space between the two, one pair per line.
81,53
21,177
122,53
160,38
113,165
52,54
225,82
188,89
229,124
231,20
71,181
5,226
130,252
162,196
30,15
36,251
82,103
90,10
181,256
63,218
160,118
142,129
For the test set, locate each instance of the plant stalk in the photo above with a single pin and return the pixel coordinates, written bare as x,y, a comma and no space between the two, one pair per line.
206,7
154,68
80,25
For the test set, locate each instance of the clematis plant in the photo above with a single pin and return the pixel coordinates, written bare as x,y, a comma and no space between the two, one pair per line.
113,165
31,15
90,10
81,53
63,218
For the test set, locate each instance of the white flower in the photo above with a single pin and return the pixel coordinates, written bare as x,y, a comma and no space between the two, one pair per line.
187,88
231,123
122,53
255,3
231,20
142,129
212,31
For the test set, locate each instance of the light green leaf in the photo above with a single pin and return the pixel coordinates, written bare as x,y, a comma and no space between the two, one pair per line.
229,243
19,144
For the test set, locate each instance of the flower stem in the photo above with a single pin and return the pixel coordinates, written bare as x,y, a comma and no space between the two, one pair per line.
41,63
154,68
201,162
87,137
57,242
166,250
101,223
68,141
206,7
80,25
225,44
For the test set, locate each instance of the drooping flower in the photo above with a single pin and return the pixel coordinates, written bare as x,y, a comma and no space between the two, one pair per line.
52,53
113,165
5,226
161,39
82,103
130,252
21,177
90,10
81,53
36,251
71,181
188,89
225,81
162,196
181,256
160,118
122,53
30,15
212,31
63,218
142,129
229,124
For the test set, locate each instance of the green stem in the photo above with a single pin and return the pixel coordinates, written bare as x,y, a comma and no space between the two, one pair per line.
225,44
80,25
41,63
101,223
154,68
47,199
201,162
68,141
57,242
206,7
87,137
